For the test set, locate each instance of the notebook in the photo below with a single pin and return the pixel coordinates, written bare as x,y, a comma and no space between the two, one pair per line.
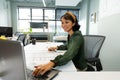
13,66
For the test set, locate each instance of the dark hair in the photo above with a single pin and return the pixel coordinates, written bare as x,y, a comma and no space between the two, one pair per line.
70,16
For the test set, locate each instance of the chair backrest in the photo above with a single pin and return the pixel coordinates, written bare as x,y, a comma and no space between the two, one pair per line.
93,44
21,38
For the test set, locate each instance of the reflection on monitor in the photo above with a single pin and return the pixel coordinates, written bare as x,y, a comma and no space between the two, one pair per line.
6,31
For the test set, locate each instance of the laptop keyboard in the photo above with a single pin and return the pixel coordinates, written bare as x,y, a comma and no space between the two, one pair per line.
31,77
49,75
40,77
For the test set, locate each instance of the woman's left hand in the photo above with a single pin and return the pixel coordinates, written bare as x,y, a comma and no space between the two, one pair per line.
41,69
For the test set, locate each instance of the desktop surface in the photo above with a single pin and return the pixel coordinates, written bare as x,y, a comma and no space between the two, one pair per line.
107,75
39,54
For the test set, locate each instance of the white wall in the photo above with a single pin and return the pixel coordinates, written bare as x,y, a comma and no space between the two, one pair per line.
5,13
108,24
94,8
110,54
84,19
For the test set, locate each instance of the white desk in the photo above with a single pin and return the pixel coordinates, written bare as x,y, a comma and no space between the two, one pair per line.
88,76
39,54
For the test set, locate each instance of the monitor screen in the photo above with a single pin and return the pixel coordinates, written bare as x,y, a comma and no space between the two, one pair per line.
6,31
38,24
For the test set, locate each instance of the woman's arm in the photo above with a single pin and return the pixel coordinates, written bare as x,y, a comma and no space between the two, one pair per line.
73,48
42,69
61,47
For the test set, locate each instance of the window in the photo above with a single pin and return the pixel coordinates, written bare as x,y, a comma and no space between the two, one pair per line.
50,16
37,14
23,19
24,13
23,25
28,15
59,13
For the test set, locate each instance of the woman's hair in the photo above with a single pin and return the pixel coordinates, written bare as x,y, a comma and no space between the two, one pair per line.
70,16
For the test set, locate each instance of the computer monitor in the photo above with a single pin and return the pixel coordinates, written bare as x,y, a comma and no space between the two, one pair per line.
6,31
38,24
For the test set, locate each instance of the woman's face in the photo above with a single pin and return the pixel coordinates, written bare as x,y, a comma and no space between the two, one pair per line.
67,25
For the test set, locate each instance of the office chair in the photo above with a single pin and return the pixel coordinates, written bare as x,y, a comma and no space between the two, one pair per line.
92,46
21,38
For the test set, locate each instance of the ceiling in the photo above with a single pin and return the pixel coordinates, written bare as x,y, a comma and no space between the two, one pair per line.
67,2
53,2
47,2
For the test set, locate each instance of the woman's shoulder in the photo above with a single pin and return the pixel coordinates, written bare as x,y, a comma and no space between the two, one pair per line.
76,33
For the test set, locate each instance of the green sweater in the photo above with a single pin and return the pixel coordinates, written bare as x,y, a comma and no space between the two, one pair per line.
75,52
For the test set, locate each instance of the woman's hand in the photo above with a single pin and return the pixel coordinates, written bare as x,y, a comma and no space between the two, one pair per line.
52,48
41,69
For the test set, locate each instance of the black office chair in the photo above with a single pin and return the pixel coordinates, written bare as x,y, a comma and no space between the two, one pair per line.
21,38
93,44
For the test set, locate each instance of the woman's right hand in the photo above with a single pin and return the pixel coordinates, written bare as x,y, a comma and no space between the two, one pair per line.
52,48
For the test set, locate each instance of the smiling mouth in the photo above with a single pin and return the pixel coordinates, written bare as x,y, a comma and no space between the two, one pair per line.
65,28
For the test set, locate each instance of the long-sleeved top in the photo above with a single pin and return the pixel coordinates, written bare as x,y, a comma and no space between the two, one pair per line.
75,51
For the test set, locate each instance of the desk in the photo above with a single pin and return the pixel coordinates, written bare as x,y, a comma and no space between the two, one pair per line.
88,76
39,54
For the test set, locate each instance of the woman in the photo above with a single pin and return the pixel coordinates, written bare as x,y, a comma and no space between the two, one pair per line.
74,47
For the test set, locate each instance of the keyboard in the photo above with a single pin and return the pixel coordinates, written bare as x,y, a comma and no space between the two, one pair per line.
49,75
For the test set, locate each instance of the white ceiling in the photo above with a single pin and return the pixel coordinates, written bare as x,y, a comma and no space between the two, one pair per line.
47,2
67,2
54,2
33,0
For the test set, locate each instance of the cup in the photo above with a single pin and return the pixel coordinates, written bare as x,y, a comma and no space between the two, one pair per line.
33,41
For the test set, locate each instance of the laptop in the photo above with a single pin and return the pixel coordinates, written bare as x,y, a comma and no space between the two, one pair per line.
13,66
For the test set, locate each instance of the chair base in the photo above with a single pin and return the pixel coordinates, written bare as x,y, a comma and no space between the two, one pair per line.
90,68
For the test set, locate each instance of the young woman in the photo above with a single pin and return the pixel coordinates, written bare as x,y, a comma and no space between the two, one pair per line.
74,47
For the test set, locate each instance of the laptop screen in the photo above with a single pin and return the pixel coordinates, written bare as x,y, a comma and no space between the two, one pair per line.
12,62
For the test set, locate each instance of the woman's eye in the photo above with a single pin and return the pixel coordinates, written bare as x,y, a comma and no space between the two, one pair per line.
66,22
